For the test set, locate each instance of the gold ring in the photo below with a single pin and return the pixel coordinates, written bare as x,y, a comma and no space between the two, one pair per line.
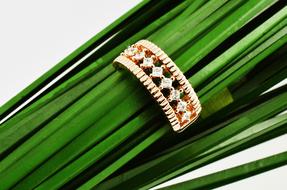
164,80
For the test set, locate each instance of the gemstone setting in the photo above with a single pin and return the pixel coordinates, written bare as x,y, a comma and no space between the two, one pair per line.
131,51
157,72
186,116
181,106
147,62
174,95
139,56
166,83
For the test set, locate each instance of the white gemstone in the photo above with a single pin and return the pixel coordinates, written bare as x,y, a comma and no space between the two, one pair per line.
175,95
166,83
139,56
147,62
181,106
131,51
186,116
157,71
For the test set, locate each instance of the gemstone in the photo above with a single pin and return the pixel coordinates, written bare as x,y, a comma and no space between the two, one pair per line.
147,62
157,71
186,116
139,56
181,106
131,51
166,83
175,95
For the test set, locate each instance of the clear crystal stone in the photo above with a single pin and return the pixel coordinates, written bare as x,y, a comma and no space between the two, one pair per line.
157,71
181,106
131,51
166,83
139,55
147,62
175,95
186,116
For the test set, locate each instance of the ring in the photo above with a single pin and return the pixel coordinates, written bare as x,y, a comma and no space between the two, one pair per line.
164,80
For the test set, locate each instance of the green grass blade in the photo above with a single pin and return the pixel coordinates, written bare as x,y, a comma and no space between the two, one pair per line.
185,24
233,174
234,51
265,76
136,150
220,32
243,66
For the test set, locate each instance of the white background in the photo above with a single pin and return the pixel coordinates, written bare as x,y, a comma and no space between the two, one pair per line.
35,35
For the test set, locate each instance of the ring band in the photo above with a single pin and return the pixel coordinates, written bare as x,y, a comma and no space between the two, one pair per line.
165,82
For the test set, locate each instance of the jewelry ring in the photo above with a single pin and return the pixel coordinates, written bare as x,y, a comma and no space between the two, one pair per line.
164,80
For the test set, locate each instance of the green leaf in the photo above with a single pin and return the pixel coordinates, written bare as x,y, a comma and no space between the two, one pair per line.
233,174
95,120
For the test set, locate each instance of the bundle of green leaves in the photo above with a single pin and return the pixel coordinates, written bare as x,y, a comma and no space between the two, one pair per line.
97,128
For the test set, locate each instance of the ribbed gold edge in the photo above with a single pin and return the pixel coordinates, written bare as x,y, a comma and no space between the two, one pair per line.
152,88
175,71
